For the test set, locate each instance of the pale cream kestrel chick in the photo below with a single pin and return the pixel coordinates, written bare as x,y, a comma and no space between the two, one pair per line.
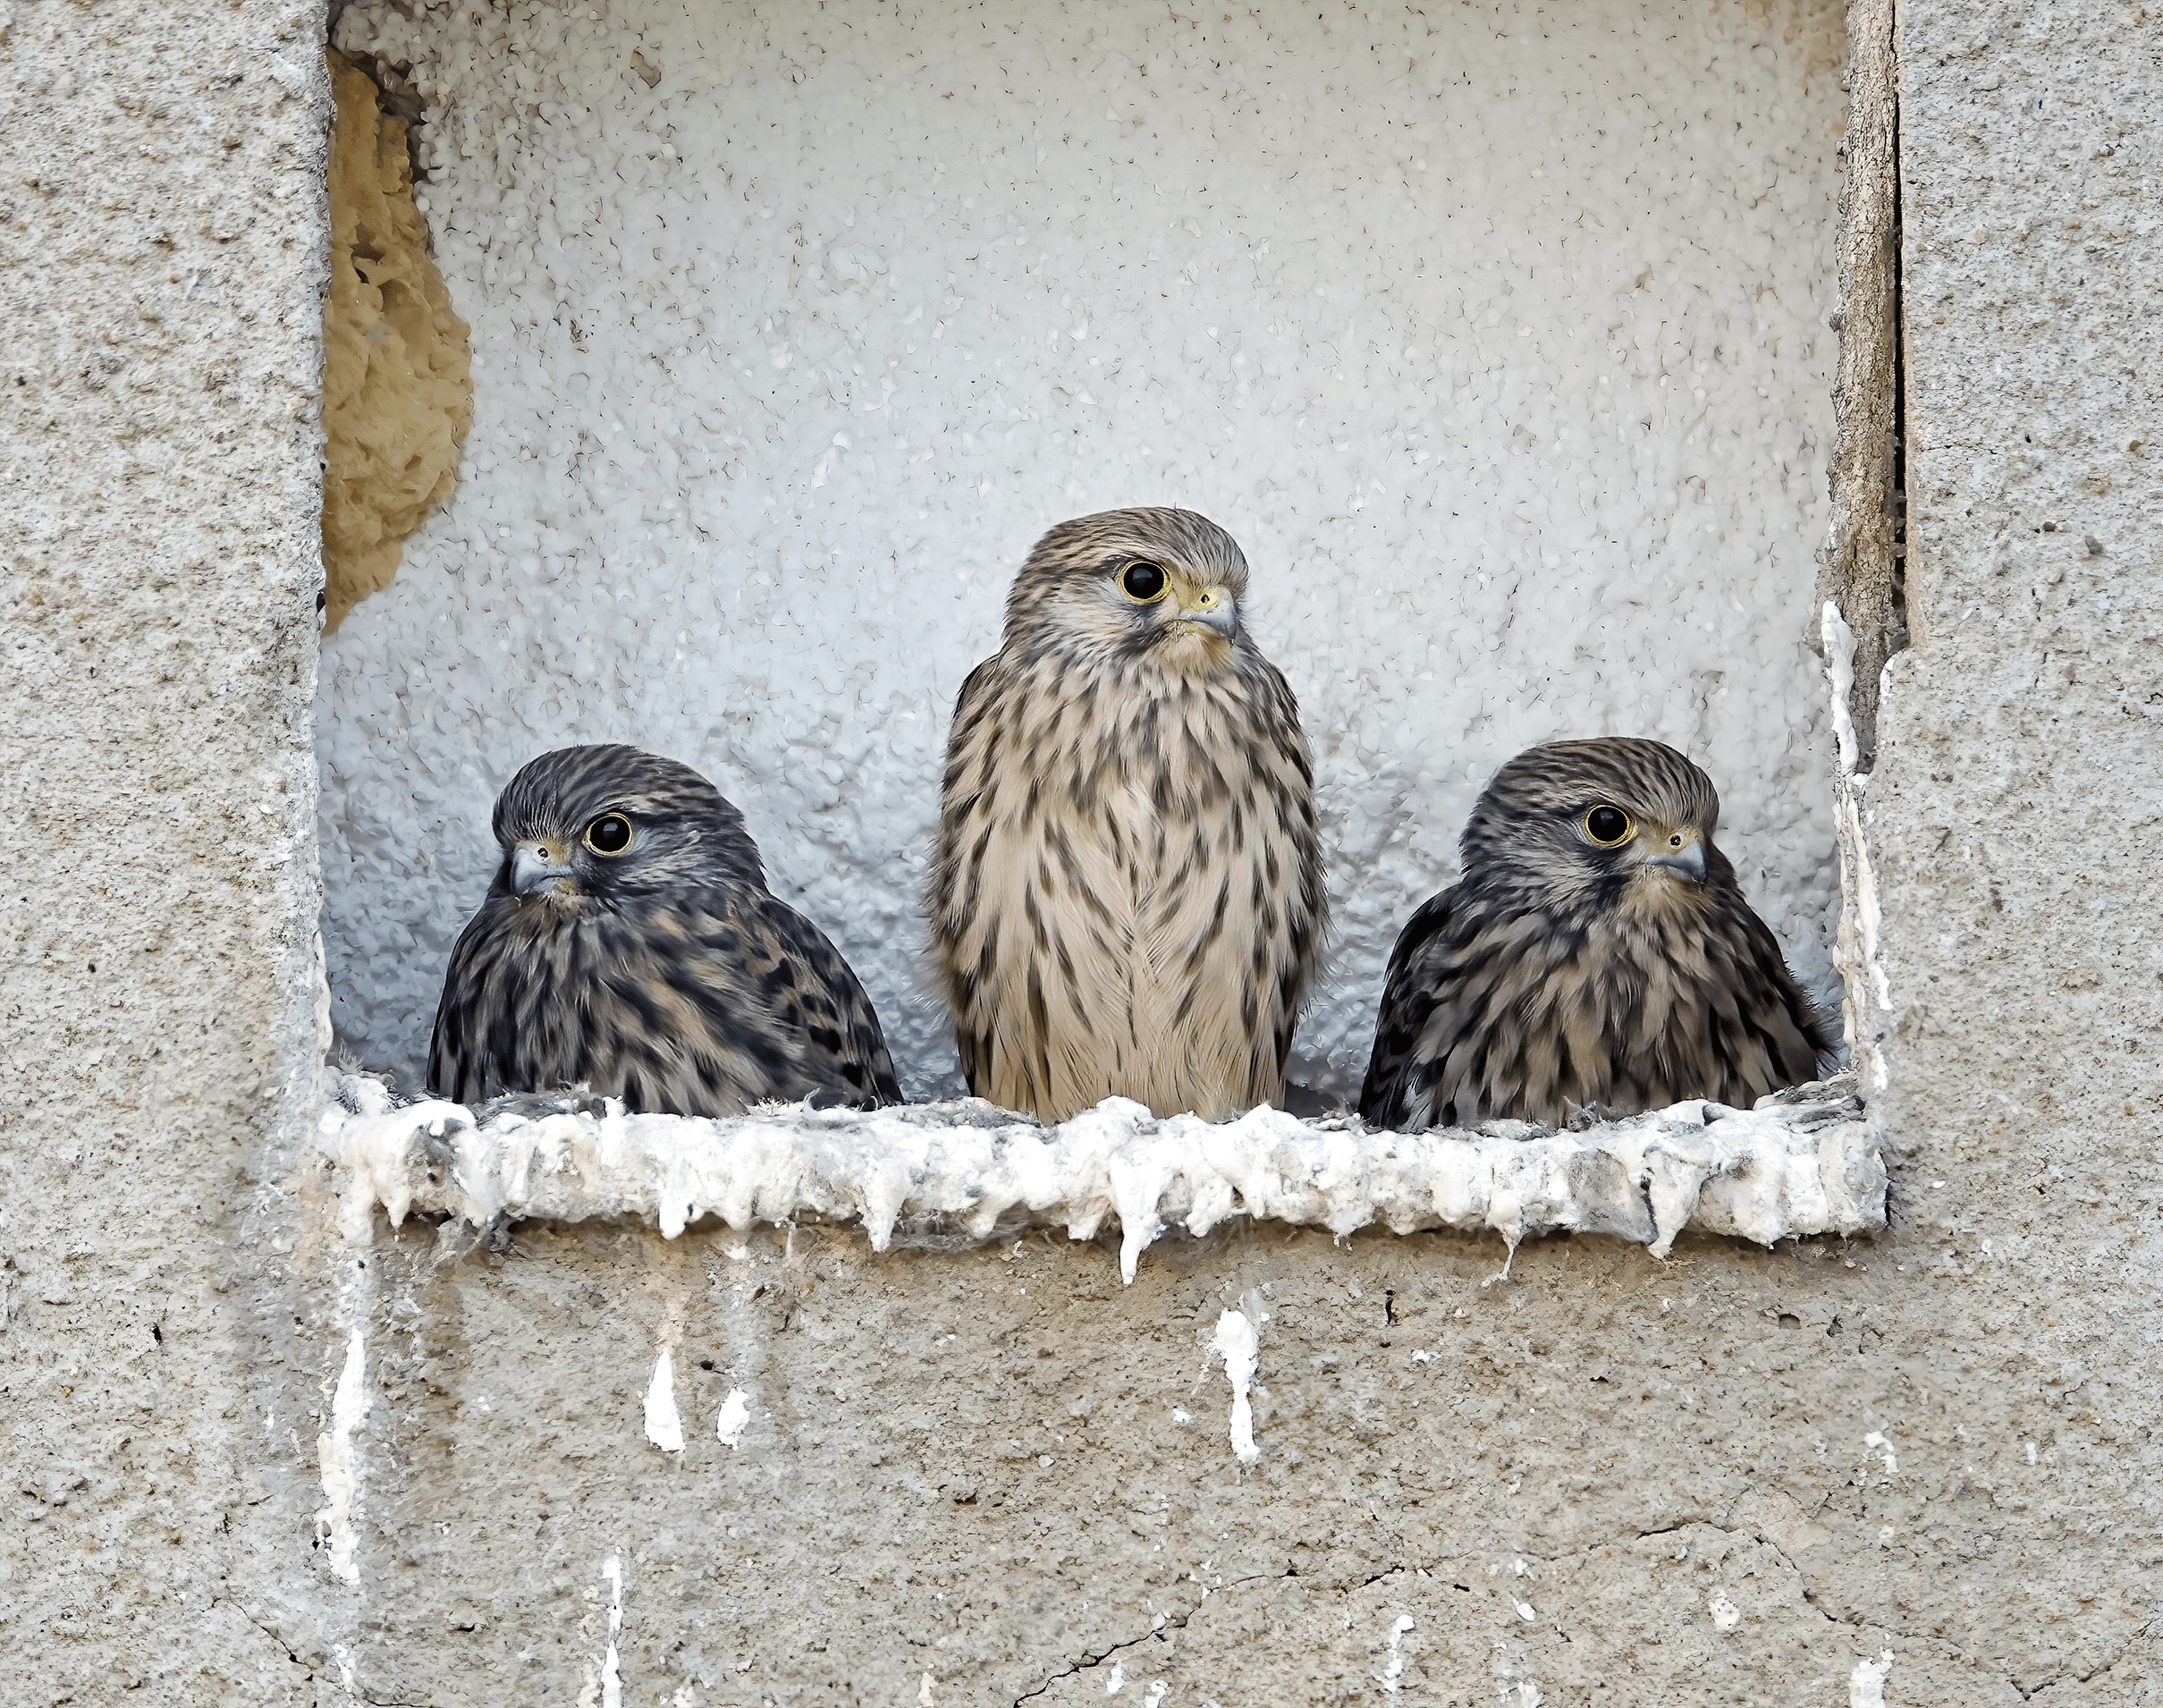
1597,956
1127,896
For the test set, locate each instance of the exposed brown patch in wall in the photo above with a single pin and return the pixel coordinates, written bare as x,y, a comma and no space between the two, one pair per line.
397,375
1861,568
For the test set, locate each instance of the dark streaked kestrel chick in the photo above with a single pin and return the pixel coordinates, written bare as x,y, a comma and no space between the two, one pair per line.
1597,953
629,943
1127,893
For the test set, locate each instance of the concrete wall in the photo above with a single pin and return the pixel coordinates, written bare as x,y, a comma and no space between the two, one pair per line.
1609,1480
161,266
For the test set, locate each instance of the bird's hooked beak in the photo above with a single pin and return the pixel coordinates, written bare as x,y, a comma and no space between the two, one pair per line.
1680,851
538,863
1212,608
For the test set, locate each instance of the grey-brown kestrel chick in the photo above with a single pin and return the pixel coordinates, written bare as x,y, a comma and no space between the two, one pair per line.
1596,953
629,943
1126,895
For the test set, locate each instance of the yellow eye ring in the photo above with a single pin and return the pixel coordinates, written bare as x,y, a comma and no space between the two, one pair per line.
1144,582
1606,826
609,835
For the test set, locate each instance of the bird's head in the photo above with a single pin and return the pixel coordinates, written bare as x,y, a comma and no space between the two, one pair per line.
1161,584
611,822
1616,822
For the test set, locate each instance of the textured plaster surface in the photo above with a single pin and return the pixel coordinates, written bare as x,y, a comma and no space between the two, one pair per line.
1729,1478
2014,812
161,262
1740,1475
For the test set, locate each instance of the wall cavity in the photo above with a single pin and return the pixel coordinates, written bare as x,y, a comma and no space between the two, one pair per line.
1501,346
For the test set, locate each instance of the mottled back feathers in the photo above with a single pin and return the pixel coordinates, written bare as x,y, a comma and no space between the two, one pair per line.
629,942
1127,894
1597,953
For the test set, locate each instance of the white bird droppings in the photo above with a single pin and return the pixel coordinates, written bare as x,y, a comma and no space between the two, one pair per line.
735,1413
1866,1683
334,1455
1811,1165
611,1672
1394,1671
663,1426
1235,1341
1840,641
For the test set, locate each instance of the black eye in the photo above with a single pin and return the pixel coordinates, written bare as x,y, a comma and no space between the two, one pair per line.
1144,583
611,833
1609,826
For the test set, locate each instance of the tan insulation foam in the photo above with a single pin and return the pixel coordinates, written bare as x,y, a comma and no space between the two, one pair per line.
397,376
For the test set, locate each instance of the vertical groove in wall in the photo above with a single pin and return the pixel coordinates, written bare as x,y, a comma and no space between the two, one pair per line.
1896,496
1862,571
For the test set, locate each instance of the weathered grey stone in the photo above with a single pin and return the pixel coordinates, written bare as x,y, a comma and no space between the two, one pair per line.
1738,1475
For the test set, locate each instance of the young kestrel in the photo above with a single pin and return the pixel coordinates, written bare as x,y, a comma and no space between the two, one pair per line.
1596,954
1126,895
629,943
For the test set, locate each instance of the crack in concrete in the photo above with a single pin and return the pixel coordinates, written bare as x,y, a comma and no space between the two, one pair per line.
1172,1623
1731,1534
272,1633
1809,1600
1086,1661
2093,1673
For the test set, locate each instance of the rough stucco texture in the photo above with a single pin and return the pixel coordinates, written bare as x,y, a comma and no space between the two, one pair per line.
1681,1456
160,277
1730,1477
